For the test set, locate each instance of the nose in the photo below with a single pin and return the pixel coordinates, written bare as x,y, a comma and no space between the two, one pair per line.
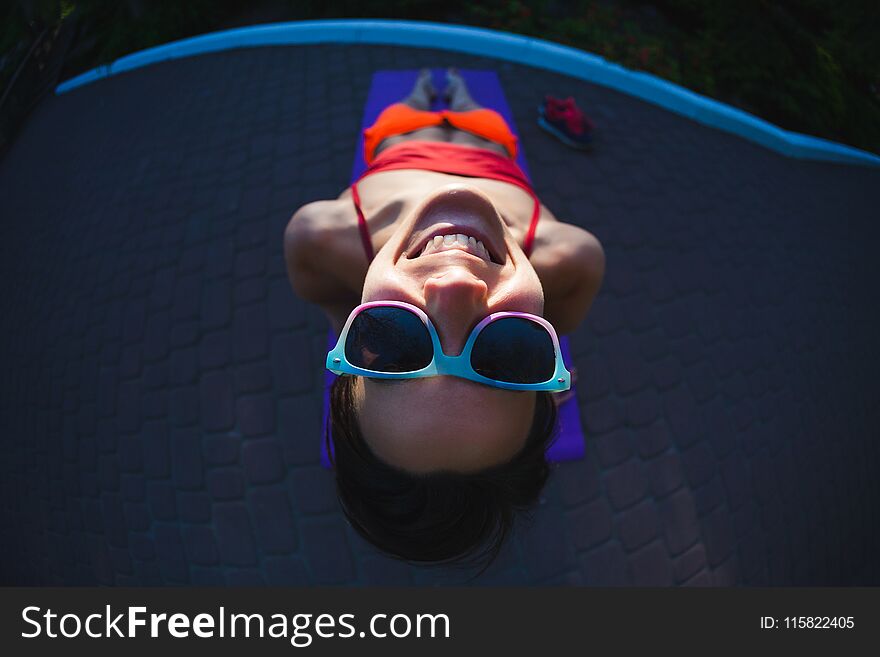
455,300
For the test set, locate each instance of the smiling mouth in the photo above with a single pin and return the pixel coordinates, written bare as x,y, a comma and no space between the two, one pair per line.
458,218
446,240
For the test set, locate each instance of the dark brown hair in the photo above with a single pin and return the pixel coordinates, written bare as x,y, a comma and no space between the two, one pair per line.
442,517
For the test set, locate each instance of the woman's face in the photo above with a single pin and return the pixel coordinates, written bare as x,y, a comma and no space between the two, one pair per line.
445,422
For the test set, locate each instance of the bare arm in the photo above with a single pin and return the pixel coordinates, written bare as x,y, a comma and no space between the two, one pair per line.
309,250
571,273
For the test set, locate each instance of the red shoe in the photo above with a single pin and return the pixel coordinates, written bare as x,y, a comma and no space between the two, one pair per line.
564,120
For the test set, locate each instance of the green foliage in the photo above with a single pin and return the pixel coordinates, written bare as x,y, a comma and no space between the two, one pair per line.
807,65
13,28
21,23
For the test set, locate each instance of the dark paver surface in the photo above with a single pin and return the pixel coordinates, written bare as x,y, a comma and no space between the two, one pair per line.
160,402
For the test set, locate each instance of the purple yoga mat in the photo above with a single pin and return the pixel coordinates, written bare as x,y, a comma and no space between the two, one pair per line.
390,87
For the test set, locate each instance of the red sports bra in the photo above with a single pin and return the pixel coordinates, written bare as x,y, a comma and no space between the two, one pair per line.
447,158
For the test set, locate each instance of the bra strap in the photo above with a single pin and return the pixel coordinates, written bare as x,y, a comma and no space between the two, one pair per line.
529,241
362,224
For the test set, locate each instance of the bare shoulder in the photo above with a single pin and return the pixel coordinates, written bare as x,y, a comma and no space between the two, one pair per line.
570,262
320,252
568,247
311,223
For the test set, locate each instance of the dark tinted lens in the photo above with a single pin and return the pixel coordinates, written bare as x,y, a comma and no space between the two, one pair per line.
514,350
388,339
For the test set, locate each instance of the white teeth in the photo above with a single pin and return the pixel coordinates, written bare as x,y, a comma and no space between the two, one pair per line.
433,244
472,244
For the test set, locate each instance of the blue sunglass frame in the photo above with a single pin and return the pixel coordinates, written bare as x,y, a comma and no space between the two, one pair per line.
441,364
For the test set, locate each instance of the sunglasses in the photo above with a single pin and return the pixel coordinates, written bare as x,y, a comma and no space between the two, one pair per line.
396,340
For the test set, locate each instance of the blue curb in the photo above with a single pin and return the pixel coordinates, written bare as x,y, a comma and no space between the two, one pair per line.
498,45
